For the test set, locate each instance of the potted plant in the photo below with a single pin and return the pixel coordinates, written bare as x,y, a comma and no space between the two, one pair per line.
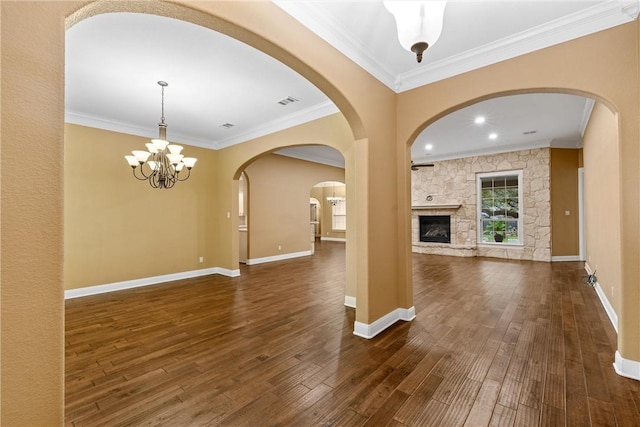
499,231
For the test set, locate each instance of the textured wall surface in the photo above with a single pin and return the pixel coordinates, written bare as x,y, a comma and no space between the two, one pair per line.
454,182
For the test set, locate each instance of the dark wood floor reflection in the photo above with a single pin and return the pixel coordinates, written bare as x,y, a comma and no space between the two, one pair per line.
494,342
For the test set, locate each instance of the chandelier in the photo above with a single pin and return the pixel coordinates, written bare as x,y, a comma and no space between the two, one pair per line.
162,165
333,200
419,23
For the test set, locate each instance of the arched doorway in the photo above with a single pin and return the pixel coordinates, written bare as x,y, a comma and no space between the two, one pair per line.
279,224
575,174
495,168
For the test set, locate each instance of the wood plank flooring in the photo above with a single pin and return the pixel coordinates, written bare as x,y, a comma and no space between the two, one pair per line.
494,343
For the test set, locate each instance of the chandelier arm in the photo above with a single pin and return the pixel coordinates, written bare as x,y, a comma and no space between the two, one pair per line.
185,178
144,178
144,174
154,180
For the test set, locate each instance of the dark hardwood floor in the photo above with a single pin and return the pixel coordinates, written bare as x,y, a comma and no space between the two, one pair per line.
500,343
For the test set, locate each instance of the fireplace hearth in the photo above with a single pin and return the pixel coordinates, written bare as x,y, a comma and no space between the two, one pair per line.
435,228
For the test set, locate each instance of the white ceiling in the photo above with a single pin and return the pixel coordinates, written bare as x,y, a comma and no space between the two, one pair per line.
113,62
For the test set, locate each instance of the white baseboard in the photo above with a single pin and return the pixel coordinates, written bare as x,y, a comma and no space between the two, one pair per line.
350,301
282,257
624,367
136,283
607,306
565,258
368,331
228,273
333,239
613,317
627,368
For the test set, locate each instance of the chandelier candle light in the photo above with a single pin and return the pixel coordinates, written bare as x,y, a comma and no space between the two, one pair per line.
163,160
419,23
333,200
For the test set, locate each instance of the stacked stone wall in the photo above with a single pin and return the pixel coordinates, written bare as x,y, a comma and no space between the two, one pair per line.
453,182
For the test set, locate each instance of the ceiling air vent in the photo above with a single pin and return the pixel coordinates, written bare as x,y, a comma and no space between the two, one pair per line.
226,125
287,100
529,132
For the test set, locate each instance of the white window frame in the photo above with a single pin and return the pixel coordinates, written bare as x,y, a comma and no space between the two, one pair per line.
339,216
520,221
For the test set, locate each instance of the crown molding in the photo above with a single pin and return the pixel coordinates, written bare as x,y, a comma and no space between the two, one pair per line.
586,115
322,24
128,128
302,154
597,18
579,24
309,114
312,113
485,151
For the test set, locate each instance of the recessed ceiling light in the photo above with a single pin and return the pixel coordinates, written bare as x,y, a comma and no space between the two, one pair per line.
493,135
428,147
479,120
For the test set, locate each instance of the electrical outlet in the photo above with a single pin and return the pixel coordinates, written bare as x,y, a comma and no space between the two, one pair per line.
279,247
201,259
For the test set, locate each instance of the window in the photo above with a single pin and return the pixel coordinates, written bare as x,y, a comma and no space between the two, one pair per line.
500,212
339,215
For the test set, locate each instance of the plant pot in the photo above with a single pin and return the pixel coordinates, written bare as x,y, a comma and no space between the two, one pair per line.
498,237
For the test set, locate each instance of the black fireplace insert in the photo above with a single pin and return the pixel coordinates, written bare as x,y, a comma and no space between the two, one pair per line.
435,228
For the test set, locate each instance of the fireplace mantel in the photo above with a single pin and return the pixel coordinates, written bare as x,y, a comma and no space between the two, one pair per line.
435,207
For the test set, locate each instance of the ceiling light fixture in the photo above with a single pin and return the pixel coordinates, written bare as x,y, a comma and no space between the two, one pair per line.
428,147
493,135
333,200
163,160
479,120
419,23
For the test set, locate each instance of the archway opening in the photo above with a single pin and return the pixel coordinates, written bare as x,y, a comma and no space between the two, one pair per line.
488,166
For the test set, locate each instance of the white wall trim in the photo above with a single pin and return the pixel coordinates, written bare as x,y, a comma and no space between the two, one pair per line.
590,20
564,258
333,239
282,257
613,317
350,301
314,112
146,281
227,272
626,367
607,306
581,224
368,331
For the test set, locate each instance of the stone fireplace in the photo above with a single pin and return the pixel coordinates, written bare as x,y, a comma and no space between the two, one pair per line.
439,229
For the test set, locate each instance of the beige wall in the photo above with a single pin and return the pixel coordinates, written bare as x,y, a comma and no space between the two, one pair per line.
602,202
565,237
381,126
279,203
117,228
